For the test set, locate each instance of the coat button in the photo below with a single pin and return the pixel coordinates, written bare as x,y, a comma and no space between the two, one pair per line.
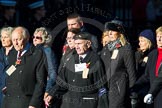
20,72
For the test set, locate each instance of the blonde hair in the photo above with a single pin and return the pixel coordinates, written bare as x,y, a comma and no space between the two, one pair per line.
122,39
159,29
150,44
46,36
104,34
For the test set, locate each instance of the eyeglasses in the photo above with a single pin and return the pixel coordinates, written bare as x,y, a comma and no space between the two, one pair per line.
37,37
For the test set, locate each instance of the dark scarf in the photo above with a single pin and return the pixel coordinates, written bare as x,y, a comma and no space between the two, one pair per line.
114,45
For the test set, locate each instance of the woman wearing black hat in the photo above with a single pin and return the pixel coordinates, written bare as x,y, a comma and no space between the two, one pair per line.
119,63
146,45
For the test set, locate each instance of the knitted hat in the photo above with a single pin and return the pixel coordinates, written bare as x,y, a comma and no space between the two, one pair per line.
115,25
148,34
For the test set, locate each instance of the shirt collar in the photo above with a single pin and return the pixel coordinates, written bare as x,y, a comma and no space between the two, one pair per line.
25,49
83,56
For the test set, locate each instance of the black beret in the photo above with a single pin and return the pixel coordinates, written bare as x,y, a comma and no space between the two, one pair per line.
83,36
115,25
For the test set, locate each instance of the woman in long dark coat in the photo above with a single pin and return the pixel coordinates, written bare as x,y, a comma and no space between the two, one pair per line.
152,73
146,45
119,64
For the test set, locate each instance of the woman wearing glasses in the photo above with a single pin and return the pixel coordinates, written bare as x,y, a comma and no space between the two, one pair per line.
42,39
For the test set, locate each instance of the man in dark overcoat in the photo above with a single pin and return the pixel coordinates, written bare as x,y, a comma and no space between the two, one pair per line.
26,75
81,77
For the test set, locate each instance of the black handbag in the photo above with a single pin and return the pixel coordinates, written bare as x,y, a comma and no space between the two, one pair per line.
103,98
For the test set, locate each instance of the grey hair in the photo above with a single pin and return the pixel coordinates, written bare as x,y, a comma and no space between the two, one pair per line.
8,30
25,33
46,36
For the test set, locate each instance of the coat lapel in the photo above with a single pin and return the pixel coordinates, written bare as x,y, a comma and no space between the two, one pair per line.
24,57
154,63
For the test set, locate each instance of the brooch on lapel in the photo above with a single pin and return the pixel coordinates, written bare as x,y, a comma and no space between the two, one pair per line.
87,65
18,61
118,45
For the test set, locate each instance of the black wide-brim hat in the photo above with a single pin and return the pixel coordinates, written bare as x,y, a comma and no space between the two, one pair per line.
115,25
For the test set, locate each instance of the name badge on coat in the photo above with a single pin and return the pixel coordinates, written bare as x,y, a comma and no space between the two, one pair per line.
145,59
85,73
114,54
11,70
80,67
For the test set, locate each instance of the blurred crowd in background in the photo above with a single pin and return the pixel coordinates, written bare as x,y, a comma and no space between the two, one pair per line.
136,14
124,33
